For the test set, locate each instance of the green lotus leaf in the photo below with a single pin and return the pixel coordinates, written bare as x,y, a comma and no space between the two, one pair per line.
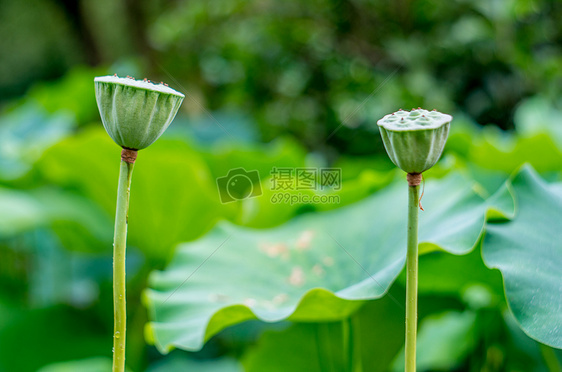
317,267
301,347
19,212
318,347
176,363
173,181
444,341
67,214
96,364
528,252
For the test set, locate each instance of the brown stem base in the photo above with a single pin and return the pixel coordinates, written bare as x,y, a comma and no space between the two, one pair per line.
414,179
129,155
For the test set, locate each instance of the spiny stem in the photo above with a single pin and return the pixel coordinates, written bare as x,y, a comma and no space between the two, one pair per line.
119,253
412,279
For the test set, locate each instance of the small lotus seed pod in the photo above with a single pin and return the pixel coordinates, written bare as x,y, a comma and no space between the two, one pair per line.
414,140
135,113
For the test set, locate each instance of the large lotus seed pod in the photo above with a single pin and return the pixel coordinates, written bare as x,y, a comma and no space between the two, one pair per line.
135,113
414,140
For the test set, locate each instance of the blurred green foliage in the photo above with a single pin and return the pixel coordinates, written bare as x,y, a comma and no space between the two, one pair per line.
308,68
276,84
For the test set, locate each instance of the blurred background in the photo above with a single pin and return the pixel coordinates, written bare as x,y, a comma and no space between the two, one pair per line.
268,83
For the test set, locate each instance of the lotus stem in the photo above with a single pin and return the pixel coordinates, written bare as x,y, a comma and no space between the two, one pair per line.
119,255
412,278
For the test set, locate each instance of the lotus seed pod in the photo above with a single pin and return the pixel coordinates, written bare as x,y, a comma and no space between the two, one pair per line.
414,140
135,113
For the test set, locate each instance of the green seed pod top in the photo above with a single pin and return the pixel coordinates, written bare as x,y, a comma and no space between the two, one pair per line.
414,140
135,113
